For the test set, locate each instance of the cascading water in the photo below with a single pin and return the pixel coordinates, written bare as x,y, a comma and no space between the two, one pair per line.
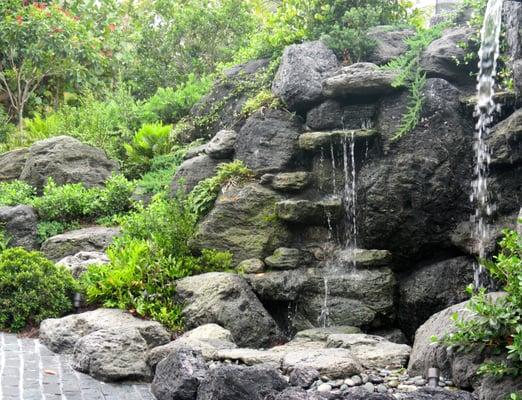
484,110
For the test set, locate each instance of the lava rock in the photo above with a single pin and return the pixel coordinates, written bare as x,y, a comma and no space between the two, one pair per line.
303,377
431,288
12,164
243,222
179,375
227,300
193,171
287,258
437,394
302,69
112,355
96,238
268,141
61,335
277,285
222,145
390,43
309,212
227,382
79,262
505,141
332,115
287,181
20,225
66,160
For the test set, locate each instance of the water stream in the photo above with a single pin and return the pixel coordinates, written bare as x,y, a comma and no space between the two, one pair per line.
484,110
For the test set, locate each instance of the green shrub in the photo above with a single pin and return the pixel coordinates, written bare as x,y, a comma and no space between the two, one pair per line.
16,192
498,324
265,98
47,229
6,129
32,289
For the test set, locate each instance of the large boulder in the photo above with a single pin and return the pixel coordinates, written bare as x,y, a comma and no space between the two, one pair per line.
79,262
459,366
512,15
227,300
302,69
20,225
359,79
179,375
222,107
66,160
193,171
112,355
62,334
222,145
243,222
505,141
413,197
390,43
445,57
268,141
96,238
432,287
227,382
334,363
12,164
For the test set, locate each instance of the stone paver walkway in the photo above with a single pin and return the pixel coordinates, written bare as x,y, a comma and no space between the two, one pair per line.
29,371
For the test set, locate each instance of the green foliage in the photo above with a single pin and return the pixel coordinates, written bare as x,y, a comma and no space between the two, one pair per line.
263,99
162,169
497,325
16,192
205,193
47,229
32,289
6,128
150,141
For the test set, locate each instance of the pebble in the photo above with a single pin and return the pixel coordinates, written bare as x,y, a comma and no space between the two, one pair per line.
325,387
393,383
349,382
344,387
376,379
420,382
442,384
369,387
382,388
407,388
324,378
365,378
357,380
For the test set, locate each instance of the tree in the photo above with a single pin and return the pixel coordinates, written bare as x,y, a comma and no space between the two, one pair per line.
42,43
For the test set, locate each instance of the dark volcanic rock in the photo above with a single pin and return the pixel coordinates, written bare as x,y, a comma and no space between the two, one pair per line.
227,382
431,288
390,43
299,78
268,141
333,115
12,164
179,375
438,394
20,224
192,171
414,195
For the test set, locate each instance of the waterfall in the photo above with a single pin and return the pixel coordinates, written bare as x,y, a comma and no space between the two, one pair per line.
488,55
325,312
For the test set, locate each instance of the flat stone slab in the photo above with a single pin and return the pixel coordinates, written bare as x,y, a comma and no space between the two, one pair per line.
314,141
29,371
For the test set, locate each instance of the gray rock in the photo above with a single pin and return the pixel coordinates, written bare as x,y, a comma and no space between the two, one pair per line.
287,181
112,355
322,334
437,394
227,300
390,43
66,160
195,151
62,334
251,266
332,115
287,258
277,285
363,258
359,79
12,164
97,238
505,141
268,141
334,363
309,212
433,287
302,69
179,375
243,222
228,382
293,393
493,388
222,145
373,352
439,59
369,387
303,377
222,107
360,393
315,141
392,335
512,15
413,197
79,262
193,171
20,226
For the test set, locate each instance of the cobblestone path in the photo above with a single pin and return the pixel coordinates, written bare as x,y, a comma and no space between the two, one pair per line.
29,371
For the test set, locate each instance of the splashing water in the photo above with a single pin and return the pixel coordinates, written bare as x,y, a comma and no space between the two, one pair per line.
325,312
488,55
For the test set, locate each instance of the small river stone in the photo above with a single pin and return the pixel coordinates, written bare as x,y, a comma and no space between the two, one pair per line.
420,382
382,388
393,383
325,387
344,387
357,380
349,382
369,387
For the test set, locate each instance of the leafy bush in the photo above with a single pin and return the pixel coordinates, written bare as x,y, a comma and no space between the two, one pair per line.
32,289
47,229
162,169
265,98
150,141
205,193
498,323
16,192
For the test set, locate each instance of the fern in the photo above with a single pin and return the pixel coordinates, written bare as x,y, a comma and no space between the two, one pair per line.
413,114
